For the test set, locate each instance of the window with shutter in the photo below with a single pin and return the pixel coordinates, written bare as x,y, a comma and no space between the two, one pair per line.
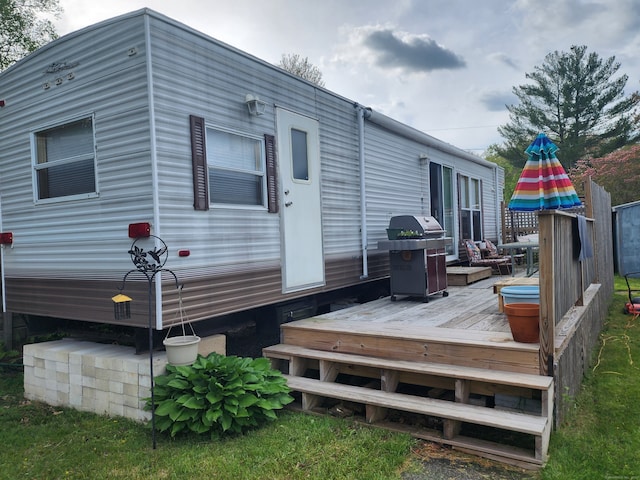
65,162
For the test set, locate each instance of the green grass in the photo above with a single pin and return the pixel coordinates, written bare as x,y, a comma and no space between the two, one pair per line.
44,442
601,437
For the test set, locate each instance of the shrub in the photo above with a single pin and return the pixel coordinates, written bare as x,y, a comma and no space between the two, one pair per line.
218,395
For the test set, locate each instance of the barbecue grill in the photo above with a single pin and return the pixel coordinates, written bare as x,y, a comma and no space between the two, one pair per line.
417,256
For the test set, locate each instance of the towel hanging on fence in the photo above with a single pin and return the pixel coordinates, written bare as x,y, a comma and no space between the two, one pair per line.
586,249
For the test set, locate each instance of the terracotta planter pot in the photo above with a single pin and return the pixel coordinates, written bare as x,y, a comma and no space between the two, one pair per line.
524,321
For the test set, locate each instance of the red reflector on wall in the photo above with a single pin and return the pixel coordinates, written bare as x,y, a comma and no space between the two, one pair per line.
6,238
139,230
184,253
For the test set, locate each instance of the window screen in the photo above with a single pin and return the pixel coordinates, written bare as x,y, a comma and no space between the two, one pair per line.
65,160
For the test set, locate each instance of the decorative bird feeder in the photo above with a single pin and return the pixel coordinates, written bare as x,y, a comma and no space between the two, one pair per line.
121,307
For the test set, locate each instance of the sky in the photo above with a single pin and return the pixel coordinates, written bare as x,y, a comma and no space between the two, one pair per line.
445,67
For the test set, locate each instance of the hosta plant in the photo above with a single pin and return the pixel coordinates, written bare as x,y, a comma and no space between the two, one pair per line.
218,395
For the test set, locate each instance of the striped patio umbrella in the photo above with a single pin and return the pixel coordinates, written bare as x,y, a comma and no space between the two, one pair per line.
543,183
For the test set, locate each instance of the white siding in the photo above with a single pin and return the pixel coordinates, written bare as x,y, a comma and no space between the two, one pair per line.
80,238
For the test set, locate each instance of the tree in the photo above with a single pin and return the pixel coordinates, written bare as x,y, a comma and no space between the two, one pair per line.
23,28
302,67
618,173
577,102
511,172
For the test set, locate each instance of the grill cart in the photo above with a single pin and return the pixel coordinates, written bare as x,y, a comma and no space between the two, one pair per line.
417,256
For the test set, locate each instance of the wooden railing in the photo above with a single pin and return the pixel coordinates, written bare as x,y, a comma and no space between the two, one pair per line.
564,277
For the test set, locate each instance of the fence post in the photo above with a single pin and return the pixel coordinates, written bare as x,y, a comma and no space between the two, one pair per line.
547,298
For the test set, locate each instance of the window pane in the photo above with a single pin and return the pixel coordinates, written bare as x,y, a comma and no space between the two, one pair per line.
475,193
464,192
236,168
72,140
299,155
234,187
65,160
465,223
477,226
66,179
233,151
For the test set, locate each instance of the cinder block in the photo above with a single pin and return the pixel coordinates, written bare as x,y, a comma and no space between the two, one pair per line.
130,401
102,385
116,409
88,369
28,360
63,398
130,389
116,388
75,395
116,376
88,393
102,373
101,403
39,372
75,379
129,378
88,381
63,380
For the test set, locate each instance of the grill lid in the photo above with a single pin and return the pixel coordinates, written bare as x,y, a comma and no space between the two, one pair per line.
424,225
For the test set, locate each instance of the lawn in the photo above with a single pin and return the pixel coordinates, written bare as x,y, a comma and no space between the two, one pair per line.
600,439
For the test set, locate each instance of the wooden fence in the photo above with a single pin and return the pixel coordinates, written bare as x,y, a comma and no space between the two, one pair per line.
574,292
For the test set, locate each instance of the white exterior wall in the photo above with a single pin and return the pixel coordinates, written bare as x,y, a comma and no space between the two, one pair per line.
142,113
213,80
85,238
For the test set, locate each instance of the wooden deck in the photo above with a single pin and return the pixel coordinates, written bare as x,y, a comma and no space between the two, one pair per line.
448,363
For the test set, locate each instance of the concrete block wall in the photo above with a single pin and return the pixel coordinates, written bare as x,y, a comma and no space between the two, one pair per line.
94,377
104,379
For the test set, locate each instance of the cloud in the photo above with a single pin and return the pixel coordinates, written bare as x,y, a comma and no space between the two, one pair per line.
504,59
496,101
414,53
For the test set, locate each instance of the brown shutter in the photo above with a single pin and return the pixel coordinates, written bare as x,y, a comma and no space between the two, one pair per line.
272,179
199,162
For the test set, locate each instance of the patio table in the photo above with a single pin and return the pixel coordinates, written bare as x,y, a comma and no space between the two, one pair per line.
528,246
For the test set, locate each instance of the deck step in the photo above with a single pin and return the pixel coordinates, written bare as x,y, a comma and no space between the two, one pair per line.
517,422
389,373
535,382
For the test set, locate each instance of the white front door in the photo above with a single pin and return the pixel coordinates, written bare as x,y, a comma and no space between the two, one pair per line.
299,163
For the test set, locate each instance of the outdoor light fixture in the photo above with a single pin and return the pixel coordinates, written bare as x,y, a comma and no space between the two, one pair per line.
139,230
2,104
6,238
423,158
255,105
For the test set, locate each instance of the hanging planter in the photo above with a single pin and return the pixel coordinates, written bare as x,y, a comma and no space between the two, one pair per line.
182,349
524,321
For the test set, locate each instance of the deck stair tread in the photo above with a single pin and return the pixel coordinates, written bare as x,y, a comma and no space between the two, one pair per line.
538,382
462,380
519,422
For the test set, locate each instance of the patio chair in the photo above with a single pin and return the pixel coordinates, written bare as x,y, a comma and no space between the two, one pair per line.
492,252
500,264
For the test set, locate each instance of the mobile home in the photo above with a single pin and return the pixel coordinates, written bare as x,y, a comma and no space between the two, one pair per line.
266,188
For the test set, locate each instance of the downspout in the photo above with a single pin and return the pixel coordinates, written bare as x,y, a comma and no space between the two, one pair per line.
498,206
154,165
362,114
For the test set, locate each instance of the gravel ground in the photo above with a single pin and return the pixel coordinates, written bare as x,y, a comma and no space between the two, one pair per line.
443,463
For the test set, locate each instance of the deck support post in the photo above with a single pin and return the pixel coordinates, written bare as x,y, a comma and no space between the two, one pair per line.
451,428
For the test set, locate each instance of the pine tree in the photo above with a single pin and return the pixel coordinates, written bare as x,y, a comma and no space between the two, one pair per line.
578,102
